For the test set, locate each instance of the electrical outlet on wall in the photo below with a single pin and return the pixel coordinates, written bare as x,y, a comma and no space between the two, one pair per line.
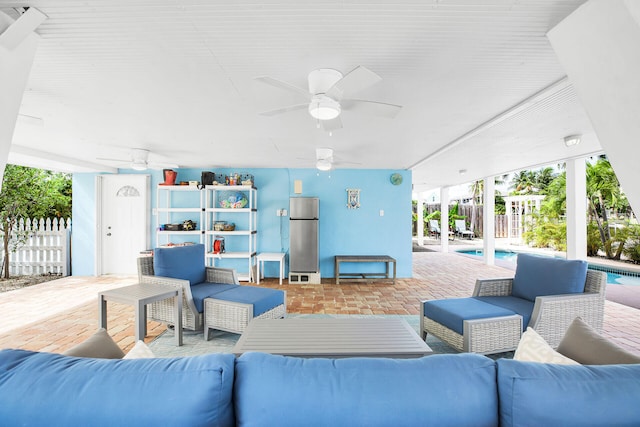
281,212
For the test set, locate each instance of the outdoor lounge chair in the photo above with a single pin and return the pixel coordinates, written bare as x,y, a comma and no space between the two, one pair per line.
546,294
434,228
461,229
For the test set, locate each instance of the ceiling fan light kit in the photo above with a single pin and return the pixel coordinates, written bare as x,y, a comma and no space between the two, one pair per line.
323,165
324,108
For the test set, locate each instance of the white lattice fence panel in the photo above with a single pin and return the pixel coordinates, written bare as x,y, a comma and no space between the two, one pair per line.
46,249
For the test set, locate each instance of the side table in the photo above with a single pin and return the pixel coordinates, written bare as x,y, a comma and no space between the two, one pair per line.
139,296
269,256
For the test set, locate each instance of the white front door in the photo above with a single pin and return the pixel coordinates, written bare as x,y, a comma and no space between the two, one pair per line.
122,223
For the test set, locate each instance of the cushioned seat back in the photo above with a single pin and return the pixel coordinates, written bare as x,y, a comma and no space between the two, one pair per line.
539,275
181,262
46,389
440,390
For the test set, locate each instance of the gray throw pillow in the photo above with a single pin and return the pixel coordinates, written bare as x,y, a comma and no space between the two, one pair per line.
99,345
584,345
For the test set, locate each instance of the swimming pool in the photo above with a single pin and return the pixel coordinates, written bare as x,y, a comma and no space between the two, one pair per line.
614,276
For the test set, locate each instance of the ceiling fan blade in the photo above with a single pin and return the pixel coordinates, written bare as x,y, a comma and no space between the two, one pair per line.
331,125
113,160
356,80
284,85
381,109
284,110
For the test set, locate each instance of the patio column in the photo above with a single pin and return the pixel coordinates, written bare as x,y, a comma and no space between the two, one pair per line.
444,219
489,221
576,209
420,220
598,46
18,45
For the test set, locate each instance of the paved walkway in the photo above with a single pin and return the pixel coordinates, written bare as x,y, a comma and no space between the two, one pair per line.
55,315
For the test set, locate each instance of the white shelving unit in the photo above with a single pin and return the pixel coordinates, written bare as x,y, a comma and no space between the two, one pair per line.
167,198
241,243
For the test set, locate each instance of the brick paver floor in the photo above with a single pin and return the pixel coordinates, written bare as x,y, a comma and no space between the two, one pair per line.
55,315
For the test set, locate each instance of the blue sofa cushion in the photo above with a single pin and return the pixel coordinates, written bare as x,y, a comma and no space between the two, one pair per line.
205,290
520,306
539,275
452,312
538,394
263,299
290,391
181,262
48,389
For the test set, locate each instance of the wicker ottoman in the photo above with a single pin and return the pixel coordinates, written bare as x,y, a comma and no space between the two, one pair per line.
470,325
232,310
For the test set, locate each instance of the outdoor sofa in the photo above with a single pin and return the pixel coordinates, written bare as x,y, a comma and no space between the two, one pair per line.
229,305
546,294
257,389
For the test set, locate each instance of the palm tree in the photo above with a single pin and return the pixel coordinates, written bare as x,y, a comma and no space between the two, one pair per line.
477,190
603,193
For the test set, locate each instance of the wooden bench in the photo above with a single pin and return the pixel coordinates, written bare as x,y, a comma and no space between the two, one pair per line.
364,258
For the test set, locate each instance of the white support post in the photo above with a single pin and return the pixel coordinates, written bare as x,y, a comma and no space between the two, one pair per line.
420,220
444,219
576,209
489,221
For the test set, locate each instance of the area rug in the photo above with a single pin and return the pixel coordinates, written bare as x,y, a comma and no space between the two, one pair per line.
223,342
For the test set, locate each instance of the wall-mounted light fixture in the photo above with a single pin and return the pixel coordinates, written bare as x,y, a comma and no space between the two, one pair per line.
572,140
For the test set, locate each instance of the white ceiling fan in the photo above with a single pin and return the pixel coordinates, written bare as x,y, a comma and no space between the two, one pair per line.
140,161
330,93
325,160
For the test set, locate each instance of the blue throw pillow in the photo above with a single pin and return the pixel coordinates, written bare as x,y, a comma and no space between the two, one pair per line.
181,262
539,394
539,275
46,389
439,390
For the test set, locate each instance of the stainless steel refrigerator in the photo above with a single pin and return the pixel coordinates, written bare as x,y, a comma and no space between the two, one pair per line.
304,265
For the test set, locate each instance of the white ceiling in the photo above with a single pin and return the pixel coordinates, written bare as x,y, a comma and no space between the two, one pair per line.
479,83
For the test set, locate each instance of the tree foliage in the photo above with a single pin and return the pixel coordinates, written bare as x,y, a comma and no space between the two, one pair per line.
30,193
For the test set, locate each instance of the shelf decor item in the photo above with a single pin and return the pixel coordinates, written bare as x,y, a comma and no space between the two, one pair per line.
233,200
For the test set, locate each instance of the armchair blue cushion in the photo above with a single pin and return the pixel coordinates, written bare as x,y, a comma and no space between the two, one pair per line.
519,306
539,275
181,262
452,312
205,290
46,389
263,299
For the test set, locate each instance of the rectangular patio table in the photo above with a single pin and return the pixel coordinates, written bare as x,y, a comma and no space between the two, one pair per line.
139,296
333,338
364,259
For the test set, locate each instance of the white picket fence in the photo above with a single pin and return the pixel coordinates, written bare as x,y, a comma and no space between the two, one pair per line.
46,251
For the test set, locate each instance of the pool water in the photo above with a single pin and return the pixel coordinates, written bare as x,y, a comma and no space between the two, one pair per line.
613,277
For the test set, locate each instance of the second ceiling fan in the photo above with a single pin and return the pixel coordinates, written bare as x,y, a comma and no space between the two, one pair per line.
330,93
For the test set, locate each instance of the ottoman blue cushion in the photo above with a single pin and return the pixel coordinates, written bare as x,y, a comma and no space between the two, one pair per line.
206,290
453,311
440,390
520,306
539,275
181,262
263,299
538,394
45,389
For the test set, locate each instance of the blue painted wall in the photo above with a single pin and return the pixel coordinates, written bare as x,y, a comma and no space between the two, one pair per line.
343,231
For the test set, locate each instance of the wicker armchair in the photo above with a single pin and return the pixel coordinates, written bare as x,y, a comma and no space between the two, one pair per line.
551,316
162,311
